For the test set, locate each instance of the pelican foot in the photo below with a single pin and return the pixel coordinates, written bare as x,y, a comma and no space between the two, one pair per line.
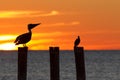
24,45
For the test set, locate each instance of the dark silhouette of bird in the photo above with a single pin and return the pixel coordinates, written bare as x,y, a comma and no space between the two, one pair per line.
77,41
26,37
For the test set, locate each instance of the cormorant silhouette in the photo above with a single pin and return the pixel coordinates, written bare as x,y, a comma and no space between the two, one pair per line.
26,37
77,41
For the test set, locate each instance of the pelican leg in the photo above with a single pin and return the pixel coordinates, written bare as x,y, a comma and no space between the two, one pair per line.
24,45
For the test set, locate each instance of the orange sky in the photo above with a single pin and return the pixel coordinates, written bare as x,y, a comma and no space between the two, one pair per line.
97,23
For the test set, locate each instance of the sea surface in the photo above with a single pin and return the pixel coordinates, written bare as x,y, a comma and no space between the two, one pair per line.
99,65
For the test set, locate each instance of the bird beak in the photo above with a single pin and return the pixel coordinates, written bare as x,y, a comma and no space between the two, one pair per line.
34,25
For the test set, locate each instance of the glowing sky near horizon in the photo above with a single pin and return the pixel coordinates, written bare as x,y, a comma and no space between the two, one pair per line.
96,22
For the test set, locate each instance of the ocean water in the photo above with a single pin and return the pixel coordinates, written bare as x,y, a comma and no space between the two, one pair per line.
99,65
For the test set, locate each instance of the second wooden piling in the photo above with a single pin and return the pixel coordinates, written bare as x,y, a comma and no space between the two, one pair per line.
54,63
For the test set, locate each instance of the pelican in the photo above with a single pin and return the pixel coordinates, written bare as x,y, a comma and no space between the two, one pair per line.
26,37
77,41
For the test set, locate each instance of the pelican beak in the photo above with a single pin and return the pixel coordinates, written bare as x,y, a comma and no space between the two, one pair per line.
33,25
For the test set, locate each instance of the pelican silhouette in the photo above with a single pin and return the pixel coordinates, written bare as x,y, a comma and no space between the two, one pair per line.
77,41
26,37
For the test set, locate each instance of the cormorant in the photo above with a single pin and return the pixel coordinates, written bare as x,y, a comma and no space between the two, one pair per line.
77,41
26,37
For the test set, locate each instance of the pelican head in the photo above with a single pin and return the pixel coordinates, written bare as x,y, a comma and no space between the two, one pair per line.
30,26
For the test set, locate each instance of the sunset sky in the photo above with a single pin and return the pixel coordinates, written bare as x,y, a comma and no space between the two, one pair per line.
97,22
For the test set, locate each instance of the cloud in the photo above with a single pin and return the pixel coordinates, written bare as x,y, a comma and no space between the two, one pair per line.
52,13
7,37
21,14
51,34
41,41
62,24
47,34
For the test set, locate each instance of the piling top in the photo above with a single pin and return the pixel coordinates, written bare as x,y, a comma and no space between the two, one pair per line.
22,49
78,49
53,49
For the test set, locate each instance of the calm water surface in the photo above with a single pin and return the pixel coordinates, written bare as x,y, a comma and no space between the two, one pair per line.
100,65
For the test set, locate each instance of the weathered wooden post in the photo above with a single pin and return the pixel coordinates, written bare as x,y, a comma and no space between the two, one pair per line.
80,63
22,63
54,63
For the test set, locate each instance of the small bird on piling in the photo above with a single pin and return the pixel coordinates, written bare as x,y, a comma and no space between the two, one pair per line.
26,37
77,41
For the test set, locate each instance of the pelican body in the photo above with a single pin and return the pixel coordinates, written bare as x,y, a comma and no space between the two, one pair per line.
26,37
77,41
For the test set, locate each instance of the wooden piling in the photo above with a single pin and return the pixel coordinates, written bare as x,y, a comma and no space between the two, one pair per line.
22,63
54,63
80,63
